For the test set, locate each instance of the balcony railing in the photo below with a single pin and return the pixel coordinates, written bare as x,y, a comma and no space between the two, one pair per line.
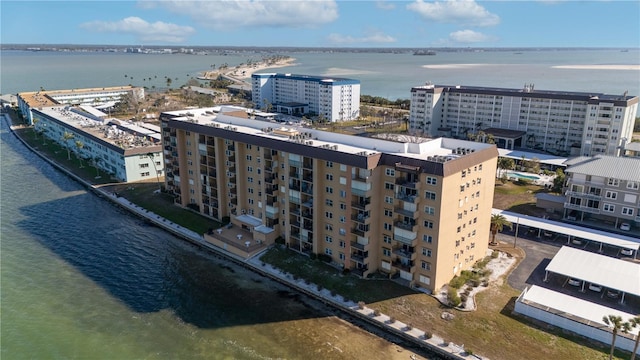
583,195
409,226
406,265
409,254
582,208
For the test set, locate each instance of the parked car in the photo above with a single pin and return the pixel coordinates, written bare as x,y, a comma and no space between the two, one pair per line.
577,241
595,287
625,226
574,282
613,294
626,252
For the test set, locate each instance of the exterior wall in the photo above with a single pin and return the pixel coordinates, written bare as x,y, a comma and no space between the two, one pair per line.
557,122
365,219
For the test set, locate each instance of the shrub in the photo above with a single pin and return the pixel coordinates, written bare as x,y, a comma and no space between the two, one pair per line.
324,257
279,240
452,296
376,312
464,297
468,351
475,282
391,320
427,335
457,282
360,305
495,254
313,256
408,327
346,271
445,343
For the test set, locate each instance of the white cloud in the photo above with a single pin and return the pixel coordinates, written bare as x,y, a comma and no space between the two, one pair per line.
469,36
466,12
385,5
146,32
224,14
348,39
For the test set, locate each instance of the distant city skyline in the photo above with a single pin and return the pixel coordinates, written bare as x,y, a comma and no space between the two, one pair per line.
324,23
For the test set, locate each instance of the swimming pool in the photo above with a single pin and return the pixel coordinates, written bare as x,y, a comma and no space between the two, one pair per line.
522,176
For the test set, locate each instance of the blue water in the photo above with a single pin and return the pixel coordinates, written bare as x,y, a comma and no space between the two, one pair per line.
381,74
522,176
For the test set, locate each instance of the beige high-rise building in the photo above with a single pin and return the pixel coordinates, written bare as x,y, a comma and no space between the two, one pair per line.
418,211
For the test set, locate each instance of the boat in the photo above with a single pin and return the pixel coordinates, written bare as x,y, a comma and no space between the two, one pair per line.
424,52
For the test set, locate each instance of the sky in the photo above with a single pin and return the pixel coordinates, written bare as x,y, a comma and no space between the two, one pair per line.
325,23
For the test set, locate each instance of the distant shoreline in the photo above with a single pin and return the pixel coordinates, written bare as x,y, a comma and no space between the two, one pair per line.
240,73
576,67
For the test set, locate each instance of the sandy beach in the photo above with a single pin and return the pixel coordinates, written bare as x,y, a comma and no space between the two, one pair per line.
240,73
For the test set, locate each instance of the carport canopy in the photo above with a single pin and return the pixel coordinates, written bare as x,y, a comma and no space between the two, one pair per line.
604,237
598,269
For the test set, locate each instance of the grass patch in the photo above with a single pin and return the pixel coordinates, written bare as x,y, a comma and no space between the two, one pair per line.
328,277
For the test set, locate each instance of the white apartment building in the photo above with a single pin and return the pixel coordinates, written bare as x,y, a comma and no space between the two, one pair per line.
116,147
558,122
96,97
334,99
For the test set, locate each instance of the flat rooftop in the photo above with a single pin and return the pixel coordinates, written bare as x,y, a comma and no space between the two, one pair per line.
440,149
45,98
117,132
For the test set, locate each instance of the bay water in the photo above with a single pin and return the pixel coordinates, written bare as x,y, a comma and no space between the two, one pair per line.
389,75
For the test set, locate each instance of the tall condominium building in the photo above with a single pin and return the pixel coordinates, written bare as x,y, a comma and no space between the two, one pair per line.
559,122
416,211
604,187
334,99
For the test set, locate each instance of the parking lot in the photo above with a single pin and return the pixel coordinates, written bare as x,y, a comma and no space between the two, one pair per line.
539,253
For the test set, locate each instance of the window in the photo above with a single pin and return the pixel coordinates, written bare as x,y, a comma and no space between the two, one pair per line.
388,199
329,177
250,179
343,244
390,172
613,182
342,256
426,266
388,213
480,167
144,174
329,190
430,195
343,219
627,211
328,202
328,227
328,251
427,238
328,214
342,231
632,185
429,210
428,224
142,166
609,207
387,239
250,168
343,206
386,252
425,280
329,164
343,193
328,239
248,157
388,226
458,229
611,195
388,186
432,180
426,252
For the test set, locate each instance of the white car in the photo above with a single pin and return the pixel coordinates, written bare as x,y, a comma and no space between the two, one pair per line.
574,282
625,226
613,294
626,252
594,287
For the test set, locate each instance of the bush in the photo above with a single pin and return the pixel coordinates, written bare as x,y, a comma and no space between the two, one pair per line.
427,335
391,320
468,351
324,257
495,254
463,298
313,256
452,296
457,282
346,271
376,312
279,240
409,327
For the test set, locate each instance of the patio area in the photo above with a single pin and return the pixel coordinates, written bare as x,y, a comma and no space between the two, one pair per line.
240,240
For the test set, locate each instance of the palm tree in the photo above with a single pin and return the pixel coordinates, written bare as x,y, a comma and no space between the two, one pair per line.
79,146
615,323
505,163
65,138
632,324
498,222
151,156
96,163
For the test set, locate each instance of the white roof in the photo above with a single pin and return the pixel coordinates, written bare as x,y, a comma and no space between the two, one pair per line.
598,269
622,168
604,237
248,219
566,304
543,158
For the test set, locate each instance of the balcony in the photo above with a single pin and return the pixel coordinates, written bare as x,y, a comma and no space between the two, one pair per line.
360,230
405,265
405,253
582,208
404,182
359,271
407,197
360,218
362,205
358,258
359,246
406,225
583,195
407,213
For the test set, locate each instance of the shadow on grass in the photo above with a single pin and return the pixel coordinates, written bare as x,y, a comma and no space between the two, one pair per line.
322,274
